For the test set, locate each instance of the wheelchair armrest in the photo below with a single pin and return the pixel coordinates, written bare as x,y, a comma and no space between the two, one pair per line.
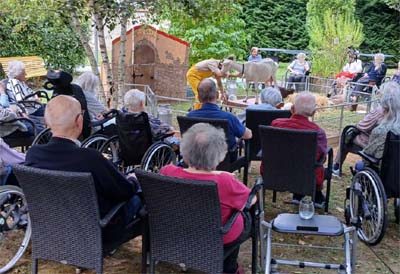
369,158
104,222
39,93
161,137
107,117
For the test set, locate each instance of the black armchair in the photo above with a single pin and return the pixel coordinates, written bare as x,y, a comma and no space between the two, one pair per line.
255,118
289,158
185,222
66,224
226,165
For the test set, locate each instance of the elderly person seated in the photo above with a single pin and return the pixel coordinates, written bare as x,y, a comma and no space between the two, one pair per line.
17,89
302,110
134,102
8,157
254,55
298,69
390,103
203,147
63,152
375,73
358,137
271,98
208,97
11,112
89,83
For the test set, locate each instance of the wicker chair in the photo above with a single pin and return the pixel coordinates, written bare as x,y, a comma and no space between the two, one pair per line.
66,225
255,118
185,223
289,161
186,122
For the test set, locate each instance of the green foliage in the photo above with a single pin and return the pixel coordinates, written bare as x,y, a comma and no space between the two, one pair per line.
381,28
212,27
36,28
276,24
331,33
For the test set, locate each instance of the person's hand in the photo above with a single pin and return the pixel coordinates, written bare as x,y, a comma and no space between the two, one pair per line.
100,116
131,175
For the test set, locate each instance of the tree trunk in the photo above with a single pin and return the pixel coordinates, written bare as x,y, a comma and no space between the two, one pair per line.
121,64
98,20
77,27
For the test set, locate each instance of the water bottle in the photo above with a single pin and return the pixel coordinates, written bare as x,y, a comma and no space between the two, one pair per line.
306,208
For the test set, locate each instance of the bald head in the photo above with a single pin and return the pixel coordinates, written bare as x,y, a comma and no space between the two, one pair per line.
304,104
207,91
62,115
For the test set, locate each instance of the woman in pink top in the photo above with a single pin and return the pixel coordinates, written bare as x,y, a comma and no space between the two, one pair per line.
203,147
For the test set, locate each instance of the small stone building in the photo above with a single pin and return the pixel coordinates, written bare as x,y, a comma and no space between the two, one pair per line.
154,58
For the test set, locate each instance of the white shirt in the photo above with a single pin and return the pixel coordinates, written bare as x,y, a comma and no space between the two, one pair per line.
354,67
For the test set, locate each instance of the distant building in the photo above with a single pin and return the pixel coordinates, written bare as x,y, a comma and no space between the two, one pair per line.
154,58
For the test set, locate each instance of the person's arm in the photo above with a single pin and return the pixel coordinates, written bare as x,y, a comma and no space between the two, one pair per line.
358,66
290,67
306,67
4,101
221,87
247,134
370,121
10,156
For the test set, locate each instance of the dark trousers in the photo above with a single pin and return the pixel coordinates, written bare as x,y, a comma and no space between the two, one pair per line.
230,262
293,79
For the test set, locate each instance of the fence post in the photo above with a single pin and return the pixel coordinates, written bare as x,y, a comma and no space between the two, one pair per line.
341,119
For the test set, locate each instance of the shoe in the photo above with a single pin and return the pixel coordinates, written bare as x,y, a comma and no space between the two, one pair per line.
296,199
319,199
336,172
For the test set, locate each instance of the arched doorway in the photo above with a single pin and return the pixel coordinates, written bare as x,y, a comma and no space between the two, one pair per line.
143,65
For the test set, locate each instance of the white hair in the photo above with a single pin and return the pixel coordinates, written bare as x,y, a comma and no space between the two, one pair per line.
271,96
88,81
133,99
305,103
390,102
203,146
15,68
379,57
301,55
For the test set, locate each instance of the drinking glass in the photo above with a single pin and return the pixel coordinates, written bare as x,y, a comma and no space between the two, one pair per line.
306,208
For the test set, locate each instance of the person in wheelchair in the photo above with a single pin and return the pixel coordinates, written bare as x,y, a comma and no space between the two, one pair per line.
16,88
208,97
8,157
390,103
203,147
134,102
352,68
298,70
302,109
60,82
375,73
357,137
64,116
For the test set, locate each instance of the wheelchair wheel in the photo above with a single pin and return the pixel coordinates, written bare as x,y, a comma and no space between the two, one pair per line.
96,141
158,155
42,137
15,226
368,203
110,150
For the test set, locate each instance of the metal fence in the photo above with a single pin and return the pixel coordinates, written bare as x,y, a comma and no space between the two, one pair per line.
331,118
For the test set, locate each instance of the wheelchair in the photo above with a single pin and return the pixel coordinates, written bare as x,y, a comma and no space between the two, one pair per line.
15,226
367,197
134,144
95,141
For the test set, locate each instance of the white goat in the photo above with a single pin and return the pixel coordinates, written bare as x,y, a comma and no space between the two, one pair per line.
254,72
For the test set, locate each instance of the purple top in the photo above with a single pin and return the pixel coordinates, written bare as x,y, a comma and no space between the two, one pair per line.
9,156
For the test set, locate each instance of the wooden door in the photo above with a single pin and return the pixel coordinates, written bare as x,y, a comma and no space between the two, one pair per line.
143,67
